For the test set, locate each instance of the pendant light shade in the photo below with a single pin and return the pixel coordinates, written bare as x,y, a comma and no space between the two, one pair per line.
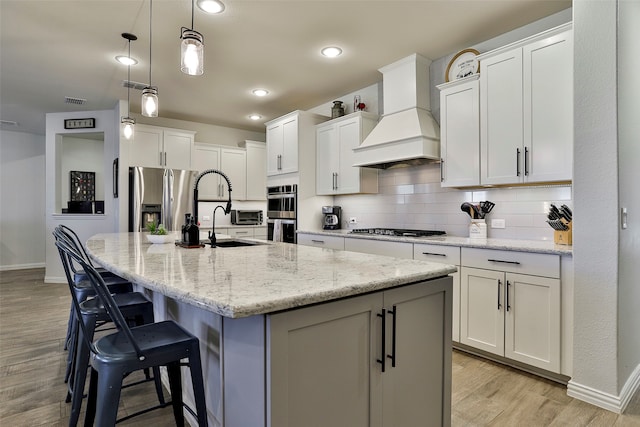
150,101
192,52
128,122
150,93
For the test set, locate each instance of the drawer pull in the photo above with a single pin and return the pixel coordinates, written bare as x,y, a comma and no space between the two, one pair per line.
318,241
434,254
242,232
504,262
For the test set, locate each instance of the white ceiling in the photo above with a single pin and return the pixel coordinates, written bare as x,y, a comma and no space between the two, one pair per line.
52,49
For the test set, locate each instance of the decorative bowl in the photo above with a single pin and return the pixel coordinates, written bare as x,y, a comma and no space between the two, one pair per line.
160,238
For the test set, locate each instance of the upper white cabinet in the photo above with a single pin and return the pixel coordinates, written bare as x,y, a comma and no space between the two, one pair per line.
256,169
460,132
231,161
526,110
289,137
161,147
335,141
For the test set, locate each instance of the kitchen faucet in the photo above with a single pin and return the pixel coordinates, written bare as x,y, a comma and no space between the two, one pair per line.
212,233
227,209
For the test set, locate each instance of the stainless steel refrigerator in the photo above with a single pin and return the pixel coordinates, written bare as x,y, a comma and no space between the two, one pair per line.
159,195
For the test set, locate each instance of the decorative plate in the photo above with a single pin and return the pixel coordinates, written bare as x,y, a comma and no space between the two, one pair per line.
463,64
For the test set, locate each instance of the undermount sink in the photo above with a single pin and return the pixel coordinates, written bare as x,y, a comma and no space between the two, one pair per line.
231,243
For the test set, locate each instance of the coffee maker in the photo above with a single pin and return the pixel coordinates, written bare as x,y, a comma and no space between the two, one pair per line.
331,217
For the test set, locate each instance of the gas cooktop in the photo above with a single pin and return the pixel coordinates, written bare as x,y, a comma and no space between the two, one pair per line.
398,232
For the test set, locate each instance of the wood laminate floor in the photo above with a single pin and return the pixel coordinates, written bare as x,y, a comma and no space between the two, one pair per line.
33,318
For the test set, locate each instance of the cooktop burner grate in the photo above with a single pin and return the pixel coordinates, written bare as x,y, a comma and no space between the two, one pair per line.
398,232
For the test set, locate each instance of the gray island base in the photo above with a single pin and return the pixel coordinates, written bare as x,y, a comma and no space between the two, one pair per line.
296,336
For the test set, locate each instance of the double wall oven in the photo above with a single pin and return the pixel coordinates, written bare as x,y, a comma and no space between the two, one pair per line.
282,205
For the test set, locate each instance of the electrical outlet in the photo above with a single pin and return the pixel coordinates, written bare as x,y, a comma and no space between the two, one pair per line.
353,220
497,223
206,218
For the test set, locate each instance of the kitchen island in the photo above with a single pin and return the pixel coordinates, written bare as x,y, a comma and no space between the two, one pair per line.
293,335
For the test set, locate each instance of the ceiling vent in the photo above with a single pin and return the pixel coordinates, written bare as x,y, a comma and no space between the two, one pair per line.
75,101
134,85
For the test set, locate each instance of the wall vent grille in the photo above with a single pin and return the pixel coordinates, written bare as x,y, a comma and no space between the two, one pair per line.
134,85
72,100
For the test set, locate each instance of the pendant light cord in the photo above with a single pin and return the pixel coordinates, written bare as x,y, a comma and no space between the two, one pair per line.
129,82
192,5
150,38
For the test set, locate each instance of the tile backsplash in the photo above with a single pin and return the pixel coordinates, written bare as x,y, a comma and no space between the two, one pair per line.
412,198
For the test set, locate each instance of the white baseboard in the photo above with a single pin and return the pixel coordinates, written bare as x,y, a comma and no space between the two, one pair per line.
607,401
55,279
22,266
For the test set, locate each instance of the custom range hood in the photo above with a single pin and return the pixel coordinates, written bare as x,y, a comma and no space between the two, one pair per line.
407,133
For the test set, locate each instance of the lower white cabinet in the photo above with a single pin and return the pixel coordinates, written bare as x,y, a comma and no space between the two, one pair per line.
379,247
444,255
321,241
382,359
511,314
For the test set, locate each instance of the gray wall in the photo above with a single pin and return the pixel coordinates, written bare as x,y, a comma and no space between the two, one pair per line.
22,222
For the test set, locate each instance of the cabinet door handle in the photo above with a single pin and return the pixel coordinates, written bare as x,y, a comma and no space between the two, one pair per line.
433,253
504,262
507,299
393,337
441,170
321,242
336,178
160,153
499,305
526,161
384,338
279,161
165,158
517,162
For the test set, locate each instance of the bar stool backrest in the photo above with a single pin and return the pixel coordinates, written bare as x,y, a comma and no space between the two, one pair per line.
73,238
68,251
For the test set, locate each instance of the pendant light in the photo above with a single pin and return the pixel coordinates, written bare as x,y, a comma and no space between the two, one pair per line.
192,50
150,93
128,122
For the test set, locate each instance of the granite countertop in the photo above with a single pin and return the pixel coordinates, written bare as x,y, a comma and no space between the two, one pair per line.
251,280
536,246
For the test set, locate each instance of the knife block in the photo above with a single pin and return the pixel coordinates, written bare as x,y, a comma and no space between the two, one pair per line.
563,237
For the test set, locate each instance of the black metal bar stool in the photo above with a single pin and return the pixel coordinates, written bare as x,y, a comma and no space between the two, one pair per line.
116,283
131,349
134,306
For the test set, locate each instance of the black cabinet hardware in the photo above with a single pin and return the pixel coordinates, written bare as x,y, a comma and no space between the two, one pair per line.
441,170
504,262
517,162
318,241
507,299
433,253
499,305
384,338
526,161
393,337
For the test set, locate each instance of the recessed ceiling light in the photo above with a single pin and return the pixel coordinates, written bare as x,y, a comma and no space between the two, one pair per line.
255,116
260,92
331,51
125,60
211,6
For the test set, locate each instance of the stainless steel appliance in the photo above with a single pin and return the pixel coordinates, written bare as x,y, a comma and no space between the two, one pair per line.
159,195
331,217
398,232
246,217
282,213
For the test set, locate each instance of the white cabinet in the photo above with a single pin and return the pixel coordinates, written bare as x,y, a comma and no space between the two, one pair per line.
460,132
379,247
335,141
289,137
321,241
526,110
256,169
382,359
231,161
161,147
507,310
444,255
